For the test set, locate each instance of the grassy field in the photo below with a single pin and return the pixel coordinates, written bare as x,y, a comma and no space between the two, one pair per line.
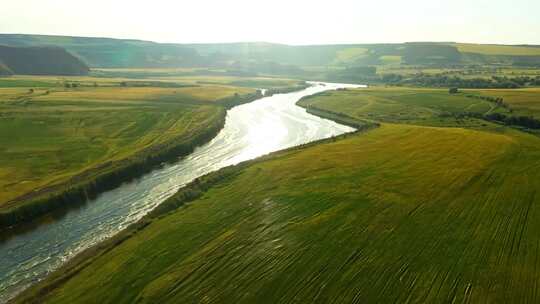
397,214
402,105
424,106
350,55
407,212
51,134
522,101
464,72
506,50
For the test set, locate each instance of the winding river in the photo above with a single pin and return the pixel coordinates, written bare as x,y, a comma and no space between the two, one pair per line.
251,130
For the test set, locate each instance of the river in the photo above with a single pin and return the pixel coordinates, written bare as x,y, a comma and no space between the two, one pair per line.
251,130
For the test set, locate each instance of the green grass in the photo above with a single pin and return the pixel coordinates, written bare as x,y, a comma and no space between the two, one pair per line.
51,135
350,55
14,82
397,214
421,209
524,102
264,83
489,49
400,105
465,72
394,60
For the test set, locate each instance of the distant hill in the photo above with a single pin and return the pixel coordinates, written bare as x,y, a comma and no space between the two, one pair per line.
413,53
264,57
112,53
40,61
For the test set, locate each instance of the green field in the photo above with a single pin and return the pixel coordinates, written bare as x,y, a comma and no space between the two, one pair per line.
350,55
401,213
492,49
401,105
425,106
407,212
53,134
522,101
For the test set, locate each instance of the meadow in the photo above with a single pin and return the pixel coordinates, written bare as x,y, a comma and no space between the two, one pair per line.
58,133
416,210
401,213
469,108
522,101
493,49
434,107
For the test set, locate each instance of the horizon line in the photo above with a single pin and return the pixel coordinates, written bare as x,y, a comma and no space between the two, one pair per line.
267,42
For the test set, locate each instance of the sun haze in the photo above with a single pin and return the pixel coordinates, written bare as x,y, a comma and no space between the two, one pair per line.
292,22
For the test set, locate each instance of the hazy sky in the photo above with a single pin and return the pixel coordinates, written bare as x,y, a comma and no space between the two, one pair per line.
285,21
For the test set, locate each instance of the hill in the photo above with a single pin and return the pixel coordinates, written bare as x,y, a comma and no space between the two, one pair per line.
40,61
122,53
413,53
112,53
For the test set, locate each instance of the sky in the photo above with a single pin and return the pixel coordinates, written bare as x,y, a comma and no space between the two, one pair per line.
280,21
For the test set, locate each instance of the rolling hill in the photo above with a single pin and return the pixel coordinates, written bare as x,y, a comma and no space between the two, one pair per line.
122,53
112,53
39,61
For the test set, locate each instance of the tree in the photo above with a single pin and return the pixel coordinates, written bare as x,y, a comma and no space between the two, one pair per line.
453,90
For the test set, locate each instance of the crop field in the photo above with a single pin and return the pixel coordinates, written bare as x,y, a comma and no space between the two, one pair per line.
250,82
403,105
145,94
148,75
487,49
350,55
402,213
522,101
464,72
51,134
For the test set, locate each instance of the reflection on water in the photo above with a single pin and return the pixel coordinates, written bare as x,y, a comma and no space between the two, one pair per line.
251,130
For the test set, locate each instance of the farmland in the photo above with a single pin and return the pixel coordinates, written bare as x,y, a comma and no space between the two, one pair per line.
492,49
401,213
523,101
430,106
400,105
417,210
